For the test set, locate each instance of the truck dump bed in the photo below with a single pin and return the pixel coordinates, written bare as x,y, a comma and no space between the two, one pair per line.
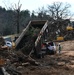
31,35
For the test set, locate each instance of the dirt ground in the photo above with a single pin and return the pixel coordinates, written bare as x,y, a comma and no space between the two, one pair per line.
58,64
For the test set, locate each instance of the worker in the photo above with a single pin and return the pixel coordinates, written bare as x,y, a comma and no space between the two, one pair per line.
59,48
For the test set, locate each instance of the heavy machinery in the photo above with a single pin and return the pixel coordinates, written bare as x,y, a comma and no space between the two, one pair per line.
36,33
66,33
69,28
60,38
33,36
69,32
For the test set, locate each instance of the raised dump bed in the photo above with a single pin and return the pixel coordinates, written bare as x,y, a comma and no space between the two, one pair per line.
32,35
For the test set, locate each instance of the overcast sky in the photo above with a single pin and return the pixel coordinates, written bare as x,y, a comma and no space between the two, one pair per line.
33,4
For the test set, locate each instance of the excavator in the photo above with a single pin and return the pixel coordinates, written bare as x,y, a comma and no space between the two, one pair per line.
69,33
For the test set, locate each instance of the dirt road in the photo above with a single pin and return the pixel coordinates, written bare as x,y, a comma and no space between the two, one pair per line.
58,64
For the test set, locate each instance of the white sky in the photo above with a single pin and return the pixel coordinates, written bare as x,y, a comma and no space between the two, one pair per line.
33,4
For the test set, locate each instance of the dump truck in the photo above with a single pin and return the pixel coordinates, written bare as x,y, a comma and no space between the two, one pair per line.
35,33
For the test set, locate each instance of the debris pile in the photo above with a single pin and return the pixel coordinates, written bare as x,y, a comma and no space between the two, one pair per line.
2,42
28,40
11,60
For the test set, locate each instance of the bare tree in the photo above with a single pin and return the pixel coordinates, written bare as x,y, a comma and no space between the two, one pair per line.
17,9
42,13
58,10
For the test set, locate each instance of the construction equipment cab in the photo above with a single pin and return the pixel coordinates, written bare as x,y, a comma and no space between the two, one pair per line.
69,27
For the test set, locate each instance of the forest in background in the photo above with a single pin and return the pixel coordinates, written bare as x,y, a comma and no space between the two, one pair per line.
14,21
